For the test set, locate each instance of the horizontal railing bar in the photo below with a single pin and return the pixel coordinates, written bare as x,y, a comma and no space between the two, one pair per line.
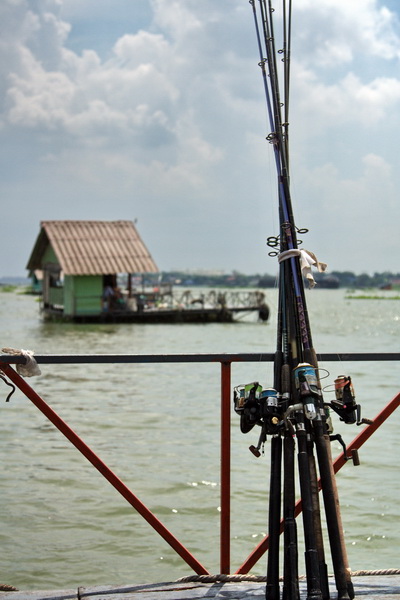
191,358
358,356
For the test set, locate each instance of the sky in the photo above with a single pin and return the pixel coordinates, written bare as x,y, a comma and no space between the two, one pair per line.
154,111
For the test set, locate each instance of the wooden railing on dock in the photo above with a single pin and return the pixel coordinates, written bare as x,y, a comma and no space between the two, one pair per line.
225,361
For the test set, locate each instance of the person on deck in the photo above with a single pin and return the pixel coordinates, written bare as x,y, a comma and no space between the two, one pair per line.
108,295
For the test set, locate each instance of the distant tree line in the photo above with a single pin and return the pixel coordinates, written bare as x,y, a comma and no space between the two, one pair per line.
335,279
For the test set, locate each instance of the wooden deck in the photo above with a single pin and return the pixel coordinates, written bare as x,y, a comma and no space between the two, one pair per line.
189,315
381,587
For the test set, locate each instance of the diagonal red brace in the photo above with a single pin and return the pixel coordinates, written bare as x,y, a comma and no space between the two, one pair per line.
104,470
337,464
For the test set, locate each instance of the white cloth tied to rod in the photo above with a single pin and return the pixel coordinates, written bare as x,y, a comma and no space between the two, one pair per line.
307,260
30,368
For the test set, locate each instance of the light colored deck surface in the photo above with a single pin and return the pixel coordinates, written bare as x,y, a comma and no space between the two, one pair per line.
382,587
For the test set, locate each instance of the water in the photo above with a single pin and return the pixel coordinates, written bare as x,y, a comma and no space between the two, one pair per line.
157,428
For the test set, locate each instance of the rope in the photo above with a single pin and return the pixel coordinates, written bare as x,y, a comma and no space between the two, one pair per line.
7,588
30,368
237,578
379,572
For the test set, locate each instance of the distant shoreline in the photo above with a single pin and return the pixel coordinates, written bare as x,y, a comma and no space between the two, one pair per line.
331,280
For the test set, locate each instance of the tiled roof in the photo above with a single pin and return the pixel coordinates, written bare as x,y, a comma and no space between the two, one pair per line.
93,248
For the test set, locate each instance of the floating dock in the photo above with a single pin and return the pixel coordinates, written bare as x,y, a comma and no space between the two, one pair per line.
376,587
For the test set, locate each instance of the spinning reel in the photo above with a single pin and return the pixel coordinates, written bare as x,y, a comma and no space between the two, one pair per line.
263,407
256,406
345,401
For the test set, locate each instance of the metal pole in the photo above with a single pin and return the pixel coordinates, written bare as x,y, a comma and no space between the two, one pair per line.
98,359
366,433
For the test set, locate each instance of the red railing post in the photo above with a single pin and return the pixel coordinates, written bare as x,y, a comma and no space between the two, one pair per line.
225,523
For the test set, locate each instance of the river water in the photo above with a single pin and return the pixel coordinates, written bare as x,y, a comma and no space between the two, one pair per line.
157,428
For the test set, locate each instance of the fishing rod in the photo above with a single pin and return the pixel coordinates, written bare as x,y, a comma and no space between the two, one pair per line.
290,555
278,138
288,240
300,331
330,494
295,406
288,334
323,569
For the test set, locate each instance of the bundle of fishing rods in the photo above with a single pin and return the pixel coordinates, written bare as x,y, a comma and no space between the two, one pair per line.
293,412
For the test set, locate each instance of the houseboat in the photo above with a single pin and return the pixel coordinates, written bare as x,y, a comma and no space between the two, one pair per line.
99,271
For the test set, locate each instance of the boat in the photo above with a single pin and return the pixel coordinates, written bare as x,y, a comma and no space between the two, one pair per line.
162,304
101,272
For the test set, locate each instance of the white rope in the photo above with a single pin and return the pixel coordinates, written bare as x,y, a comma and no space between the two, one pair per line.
30,368
262,578
307,260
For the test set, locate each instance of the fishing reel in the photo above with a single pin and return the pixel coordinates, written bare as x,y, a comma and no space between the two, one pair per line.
256,406
345,404
270,410
308,389
349,412
246,401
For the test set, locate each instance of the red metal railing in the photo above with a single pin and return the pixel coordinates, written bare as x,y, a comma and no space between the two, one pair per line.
225,361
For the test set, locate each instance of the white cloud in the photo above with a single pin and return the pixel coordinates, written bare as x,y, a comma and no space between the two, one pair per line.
357,216
339,31
38,97
132,51
349,100
169,119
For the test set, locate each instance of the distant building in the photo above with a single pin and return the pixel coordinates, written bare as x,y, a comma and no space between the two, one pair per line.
79,263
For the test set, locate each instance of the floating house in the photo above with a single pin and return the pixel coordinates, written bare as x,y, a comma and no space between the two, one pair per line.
80,262
94,271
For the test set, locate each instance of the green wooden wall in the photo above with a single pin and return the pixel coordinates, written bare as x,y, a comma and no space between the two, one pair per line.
82,294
